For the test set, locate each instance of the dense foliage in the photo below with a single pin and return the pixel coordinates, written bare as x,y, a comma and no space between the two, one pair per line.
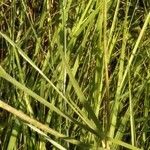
74,74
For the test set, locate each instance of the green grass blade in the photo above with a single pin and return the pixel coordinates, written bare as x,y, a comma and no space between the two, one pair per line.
37,124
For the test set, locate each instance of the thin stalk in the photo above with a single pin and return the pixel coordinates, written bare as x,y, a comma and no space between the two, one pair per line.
120,74
113,23
133,137
65,39
106,63
106,103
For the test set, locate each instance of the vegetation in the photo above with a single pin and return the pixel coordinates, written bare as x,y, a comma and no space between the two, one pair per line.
74,74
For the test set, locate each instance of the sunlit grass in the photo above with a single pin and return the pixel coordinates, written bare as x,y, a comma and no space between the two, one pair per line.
74,75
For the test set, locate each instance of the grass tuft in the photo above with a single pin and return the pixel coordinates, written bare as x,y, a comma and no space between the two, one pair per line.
74,74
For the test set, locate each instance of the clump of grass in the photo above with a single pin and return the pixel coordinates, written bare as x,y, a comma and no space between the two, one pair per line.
74,74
